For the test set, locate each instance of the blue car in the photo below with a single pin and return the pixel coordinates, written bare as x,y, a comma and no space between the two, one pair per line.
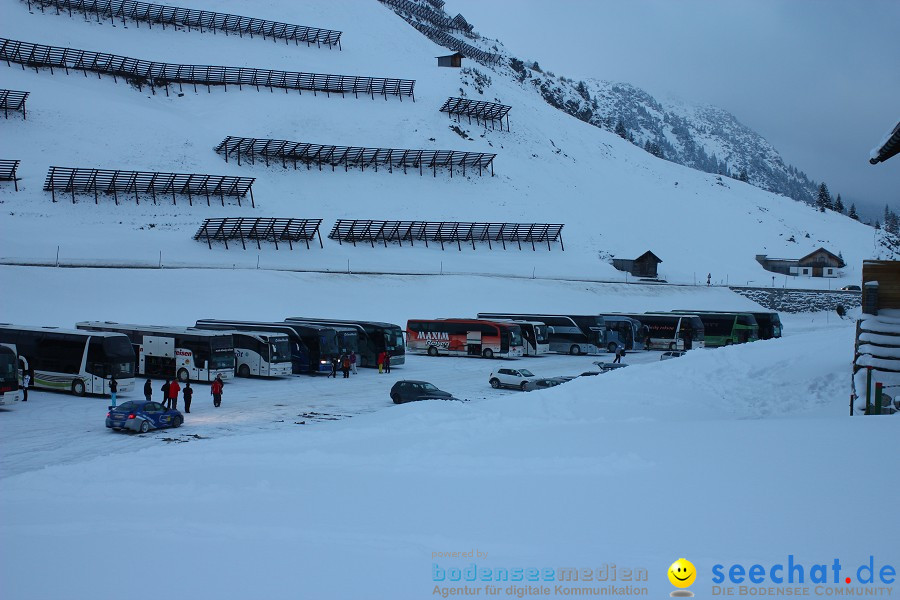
141,415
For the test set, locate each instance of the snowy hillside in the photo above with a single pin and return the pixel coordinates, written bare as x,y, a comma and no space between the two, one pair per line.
613,198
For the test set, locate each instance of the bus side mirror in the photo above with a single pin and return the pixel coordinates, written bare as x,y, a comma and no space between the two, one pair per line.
206,365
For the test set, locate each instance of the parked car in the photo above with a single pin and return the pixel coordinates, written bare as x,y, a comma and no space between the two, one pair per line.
851,288
671,354
141,415
517,378
589,373
605,367
410,391
545,382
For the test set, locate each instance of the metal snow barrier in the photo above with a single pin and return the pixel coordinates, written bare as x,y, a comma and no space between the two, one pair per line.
11,100
482,111
295,153
196,19
448,41
364,230
161,75
115,181
8,171
259,229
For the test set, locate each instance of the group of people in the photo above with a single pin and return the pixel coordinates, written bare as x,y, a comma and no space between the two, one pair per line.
346,363
171,388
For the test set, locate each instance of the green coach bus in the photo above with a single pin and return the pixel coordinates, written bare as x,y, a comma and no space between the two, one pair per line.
724,328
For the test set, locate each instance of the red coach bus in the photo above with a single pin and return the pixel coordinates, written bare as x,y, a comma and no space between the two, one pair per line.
464,337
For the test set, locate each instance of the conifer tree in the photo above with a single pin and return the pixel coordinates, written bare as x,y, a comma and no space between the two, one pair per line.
838,205
620,130
852,212
823,198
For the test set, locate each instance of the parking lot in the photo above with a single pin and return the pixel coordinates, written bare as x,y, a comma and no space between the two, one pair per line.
57,428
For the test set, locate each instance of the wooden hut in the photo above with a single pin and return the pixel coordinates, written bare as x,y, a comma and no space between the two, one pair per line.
451,60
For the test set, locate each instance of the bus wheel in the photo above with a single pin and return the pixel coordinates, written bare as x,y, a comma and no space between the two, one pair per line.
728,342
612,347
78,387
182,375
432,351
244,371
487,353
575,349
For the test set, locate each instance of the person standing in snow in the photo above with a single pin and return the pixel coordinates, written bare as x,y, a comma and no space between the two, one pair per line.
26,383
165,390
380,361
334,367
345,365
188,394
618,358
113,388
148,390
174,388
387,362
216,390
353,362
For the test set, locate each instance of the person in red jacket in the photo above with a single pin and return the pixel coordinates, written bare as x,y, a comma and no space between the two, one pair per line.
216,390
174,388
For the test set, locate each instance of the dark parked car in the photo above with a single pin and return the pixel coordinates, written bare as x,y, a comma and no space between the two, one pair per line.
851,288
410,391
606,367
545,382
140,415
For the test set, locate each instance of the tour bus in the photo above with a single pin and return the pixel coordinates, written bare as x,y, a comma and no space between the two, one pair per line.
768,322
66,359
9,374
623,332
725,329
464,337
535,336
669,331
374,337
312,346
568,334
261,353
347,337
175,352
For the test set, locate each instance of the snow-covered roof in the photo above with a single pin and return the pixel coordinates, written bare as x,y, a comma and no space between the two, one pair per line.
888,147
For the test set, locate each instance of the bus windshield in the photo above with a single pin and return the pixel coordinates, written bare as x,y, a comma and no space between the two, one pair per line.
541,334
222,352
515,336
280,350
393,339
328,344
8,374
119,356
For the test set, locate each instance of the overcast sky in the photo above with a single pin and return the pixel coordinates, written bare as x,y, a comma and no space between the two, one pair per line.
819,79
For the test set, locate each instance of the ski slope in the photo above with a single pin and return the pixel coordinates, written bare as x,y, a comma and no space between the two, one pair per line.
614,198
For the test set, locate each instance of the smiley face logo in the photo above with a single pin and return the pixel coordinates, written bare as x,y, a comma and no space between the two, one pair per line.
682,573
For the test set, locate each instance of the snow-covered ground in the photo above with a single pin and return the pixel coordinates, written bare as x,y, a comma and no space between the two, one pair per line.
322,488
313,488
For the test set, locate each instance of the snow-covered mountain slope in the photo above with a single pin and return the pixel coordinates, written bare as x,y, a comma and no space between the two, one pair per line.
614,199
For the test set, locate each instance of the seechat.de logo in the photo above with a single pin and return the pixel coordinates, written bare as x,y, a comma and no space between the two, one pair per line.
682,574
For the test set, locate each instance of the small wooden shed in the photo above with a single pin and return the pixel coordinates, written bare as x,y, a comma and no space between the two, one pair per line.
451,60
644,265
